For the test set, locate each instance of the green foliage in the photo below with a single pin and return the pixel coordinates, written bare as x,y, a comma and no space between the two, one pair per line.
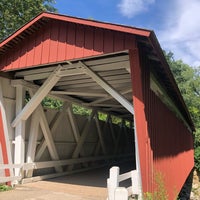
80,110
5,188
197,158
52,103
116,120
15,13
188,80
160,192
102,116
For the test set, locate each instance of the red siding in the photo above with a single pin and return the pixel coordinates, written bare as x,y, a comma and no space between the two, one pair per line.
59,41
3,145
165,144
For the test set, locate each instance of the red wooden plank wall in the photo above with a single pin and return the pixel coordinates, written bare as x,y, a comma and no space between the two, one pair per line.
59,41
3,145
165,144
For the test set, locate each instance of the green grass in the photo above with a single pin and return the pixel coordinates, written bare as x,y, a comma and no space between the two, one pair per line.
5,188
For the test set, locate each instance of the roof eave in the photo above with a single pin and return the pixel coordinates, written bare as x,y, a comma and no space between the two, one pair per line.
154,42
98,24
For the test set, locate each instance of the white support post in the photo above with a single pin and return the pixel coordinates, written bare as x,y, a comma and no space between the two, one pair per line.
118,97
38,96
121,193
32,142
113,182
137,159
19,154
136,185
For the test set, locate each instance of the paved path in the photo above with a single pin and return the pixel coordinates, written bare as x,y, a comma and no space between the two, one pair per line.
83,186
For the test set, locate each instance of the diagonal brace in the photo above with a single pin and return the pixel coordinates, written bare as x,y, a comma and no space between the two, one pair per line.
39,95
117,96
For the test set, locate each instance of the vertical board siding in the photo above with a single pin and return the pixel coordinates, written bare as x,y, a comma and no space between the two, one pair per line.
53,47
165,143
172,146
58,41
44,47
3,145
141,121
62,37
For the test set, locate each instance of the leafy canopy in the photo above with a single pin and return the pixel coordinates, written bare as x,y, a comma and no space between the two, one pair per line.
15,13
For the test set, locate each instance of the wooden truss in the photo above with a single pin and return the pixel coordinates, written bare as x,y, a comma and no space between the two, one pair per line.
102,85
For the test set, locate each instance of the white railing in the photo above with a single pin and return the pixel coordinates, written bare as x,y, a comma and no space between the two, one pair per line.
11,178
47,164
121,193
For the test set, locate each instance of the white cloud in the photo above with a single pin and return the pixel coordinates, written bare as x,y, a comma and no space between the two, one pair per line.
181,34
130,8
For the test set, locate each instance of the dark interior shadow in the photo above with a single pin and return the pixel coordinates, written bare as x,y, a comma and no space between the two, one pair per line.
187,187
95,178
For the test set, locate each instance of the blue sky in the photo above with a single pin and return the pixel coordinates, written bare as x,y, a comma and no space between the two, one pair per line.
175,22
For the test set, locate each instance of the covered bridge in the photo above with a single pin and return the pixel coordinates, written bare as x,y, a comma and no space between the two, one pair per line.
107,68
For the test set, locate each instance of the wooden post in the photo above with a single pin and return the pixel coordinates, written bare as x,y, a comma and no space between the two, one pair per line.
19,130
113,182
121,193
136,184
103,146
32,142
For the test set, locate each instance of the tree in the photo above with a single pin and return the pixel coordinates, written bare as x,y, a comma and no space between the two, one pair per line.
15,13
188,81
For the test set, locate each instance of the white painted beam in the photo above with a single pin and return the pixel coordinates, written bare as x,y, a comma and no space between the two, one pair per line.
38,97
109,97
76,132
32,142
101,140
48,136
83,136
19,153
88,94
53,125
123,101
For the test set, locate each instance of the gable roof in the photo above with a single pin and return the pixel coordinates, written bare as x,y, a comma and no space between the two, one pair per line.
43,17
